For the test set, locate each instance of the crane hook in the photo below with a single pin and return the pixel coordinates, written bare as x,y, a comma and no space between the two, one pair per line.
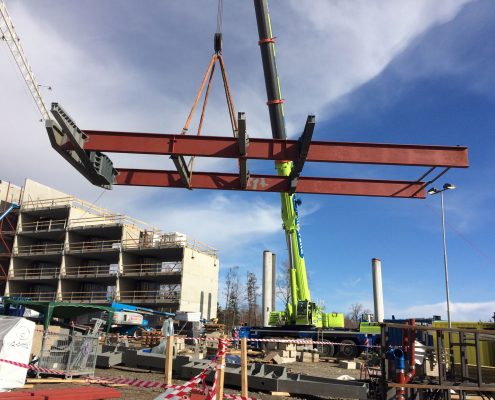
217,42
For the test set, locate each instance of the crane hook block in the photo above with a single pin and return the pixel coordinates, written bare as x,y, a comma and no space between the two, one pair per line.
217,42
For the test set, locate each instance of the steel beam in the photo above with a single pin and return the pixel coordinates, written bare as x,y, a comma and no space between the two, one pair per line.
272,183
68,140
276,149
181,166
243,142
304,144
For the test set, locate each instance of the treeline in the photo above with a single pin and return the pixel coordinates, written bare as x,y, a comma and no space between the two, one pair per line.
241,300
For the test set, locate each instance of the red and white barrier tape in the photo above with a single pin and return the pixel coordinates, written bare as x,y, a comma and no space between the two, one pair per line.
222,350
178,390
288,341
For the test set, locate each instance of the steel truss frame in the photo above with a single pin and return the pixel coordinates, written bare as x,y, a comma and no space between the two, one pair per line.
244,148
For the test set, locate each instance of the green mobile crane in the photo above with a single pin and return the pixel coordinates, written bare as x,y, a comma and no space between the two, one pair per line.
300,310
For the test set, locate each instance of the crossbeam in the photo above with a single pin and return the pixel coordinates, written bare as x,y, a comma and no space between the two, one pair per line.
272,183
278,150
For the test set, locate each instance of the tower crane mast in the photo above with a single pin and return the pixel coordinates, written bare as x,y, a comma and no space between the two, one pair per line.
9,36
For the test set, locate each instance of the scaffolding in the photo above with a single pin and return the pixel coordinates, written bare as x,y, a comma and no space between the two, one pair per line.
65,249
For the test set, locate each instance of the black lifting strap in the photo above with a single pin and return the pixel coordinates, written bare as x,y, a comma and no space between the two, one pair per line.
217,43
217,40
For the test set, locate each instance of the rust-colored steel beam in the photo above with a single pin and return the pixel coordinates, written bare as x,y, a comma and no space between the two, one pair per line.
275,149
272,183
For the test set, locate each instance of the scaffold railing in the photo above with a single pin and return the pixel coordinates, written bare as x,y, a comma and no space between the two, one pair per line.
93,246
81,271
148,296
36,296
140,243
87,296
43,225
38,249
87,207
152,268
34,272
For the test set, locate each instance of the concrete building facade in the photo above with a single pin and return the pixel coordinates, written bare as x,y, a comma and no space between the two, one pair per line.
65,249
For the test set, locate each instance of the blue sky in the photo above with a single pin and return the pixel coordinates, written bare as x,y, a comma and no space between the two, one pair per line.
417,72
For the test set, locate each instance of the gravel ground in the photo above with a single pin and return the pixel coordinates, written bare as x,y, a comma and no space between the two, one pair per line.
322,369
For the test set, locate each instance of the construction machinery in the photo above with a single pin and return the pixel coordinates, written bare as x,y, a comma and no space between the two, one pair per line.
9,209
302,317
301,310
128,318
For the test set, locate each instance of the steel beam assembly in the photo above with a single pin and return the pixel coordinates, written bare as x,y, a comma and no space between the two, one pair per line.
273,183
277,149
84,150
68,140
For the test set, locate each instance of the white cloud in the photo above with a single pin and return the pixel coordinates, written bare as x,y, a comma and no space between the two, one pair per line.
474,311
225,222
338,46
325,50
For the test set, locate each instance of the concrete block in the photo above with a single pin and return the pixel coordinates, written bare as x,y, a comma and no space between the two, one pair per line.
306,357
269,346
286,346
108,359
347,364
278,359
284,353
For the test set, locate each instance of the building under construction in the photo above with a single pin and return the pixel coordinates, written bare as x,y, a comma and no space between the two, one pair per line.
57,247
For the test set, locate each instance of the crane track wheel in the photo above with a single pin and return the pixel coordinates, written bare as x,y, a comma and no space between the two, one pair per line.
327,350
349,348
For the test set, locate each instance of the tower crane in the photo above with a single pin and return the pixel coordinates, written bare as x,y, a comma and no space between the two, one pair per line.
66,139
9,36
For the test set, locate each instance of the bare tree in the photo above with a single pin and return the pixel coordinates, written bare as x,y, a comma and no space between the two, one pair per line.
252,296
354,315
232,292
283,283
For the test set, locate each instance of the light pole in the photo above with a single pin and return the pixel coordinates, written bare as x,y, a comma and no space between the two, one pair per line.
433,191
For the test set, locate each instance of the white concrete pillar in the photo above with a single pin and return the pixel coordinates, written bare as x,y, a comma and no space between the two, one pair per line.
376,268
267,286
274,281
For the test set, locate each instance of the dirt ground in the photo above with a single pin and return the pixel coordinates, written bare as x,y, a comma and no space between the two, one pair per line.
322,369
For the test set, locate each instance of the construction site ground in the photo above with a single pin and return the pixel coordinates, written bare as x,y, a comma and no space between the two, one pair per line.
322,369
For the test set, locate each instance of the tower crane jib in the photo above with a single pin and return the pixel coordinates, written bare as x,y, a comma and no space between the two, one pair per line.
9,36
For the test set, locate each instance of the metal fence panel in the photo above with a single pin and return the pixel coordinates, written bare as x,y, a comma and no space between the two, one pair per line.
74,354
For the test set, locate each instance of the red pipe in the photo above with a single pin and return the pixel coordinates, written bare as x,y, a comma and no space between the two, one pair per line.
412,351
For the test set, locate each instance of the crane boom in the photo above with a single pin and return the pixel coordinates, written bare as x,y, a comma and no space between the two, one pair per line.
9,35
300,311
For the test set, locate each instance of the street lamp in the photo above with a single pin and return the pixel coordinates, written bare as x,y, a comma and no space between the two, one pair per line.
433,191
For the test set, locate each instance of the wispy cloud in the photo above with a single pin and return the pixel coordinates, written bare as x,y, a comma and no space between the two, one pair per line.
474,311
139,82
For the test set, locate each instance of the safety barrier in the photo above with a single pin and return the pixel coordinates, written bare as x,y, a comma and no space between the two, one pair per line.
173,392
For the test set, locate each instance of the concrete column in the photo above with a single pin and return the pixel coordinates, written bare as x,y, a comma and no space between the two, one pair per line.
274,281
267,286
376,268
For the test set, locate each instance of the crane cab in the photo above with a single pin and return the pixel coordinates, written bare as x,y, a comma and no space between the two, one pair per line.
308,313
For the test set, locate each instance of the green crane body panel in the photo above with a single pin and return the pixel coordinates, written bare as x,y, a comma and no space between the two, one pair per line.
301,310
